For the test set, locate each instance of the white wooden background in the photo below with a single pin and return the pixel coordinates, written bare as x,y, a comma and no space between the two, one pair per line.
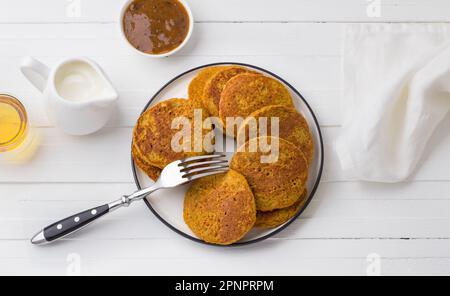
407,225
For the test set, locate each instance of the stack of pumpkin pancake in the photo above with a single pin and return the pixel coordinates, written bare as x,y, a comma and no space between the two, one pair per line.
222,209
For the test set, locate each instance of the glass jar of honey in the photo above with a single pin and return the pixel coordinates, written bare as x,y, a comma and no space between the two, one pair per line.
13,123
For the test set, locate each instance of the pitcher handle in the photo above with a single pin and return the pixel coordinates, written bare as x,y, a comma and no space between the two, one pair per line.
36,72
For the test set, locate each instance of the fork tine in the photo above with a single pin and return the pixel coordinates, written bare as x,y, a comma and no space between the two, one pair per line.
207,174
204,169
203,157
194,165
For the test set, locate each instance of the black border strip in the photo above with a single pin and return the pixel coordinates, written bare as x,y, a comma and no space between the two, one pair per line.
281,228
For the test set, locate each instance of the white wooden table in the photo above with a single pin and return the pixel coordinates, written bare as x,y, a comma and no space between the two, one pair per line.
346,228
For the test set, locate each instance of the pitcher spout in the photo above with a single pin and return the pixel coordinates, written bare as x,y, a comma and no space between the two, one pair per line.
106,101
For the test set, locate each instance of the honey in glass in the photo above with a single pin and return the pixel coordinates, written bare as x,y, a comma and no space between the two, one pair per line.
13,123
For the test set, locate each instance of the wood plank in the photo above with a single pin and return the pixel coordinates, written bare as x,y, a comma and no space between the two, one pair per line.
234,10
339,211
427,191
83,159
349,191
267,39
323,11
141,224
171,267
169,257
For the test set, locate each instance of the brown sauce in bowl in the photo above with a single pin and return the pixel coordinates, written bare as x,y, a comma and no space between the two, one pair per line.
156,26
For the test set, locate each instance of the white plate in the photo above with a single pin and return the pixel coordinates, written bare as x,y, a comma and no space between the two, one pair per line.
167,205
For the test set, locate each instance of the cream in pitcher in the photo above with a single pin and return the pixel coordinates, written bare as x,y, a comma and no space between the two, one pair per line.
79,97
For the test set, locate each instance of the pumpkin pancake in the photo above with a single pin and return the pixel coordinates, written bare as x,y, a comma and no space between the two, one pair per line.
276,218
197,85
247,93
149,170
292,127
153,134
278,184
220,209
215,85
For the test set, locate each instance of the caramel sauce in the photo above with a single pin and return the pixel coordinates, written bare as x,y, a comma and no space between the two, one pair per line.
156,26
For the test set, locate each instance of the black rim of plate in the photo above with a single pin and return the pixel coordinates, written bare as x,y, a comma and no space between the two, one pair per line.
276,230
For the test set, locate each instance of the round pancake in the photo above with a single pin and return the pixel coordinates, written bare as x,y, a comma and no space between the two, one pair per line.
197,85
153,133
275,185
151,171
220,209
276,218
292,127
247,93
215,85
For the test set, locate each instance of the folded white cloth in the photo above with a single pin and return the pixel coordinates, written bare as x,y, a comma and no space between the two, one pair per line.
396,92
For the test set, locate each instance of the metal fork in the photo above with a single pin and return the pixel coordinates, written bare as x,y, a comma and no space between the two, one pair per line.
175,174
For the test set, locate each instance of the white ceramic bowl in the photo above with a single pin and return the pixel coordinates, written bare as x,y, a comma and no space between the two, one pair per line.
175,50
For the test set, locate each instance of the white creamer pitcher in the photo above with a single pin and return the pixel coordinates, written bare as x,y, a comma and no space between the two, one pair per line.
79,97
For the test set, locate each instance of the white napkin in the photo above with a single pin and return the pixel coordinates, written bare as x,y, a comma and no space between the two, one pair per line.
396,92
